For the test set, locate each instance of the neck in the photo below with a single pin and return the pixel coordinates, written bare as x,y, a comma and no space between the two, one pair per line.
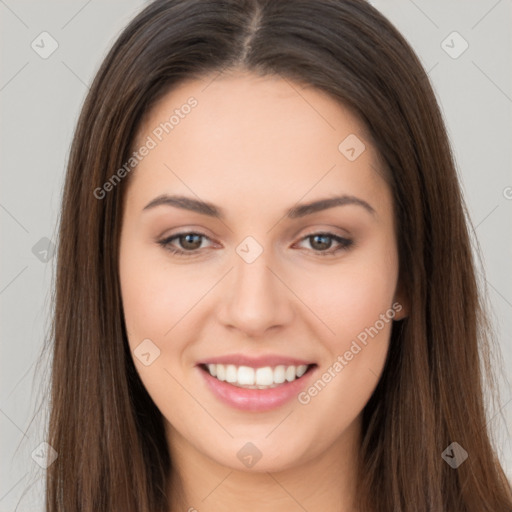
325,483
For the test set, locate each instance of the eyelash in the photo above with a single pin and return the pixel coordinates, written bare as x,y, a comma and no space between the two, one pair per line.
345,243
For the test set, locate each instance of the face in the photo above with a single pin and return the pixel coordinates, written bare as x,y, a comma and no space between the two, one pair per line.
289,306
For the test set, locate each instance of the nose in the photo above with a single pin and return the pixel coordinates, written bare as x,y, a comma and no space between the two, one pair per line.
255,298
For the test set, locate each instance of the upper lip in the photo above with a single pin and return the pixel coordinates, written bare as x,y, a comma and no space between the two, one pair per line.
255,362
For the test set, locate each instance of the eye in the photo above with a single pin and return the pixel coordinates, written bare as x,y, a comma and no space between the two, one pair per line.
322,243
189,241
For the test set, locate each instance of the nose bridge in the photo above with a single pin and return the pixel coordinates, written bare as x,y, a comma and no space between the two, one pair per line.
256,299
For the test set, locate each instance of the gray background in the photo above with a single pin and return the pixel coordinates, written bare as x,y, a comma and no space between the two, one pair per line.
40,100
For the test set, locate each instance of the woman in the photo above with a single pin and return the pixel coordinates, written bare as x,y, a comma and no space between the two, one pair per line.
265,294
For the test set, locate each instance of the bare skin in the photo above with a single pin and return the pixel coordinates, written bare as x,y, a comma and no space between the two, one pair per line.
256,147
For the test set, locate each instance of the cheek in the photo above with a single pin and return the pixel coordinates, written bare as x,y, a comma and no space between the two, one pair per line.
353,297
348,297
155,302
160,300
146,292
358,306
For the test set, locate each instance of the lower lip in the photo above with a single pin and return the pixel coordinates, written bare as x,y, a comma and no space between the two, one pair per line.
257,400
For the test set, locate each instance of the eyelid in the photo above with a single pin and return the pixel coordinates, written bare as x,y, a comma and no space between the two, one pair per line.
165,241
344,243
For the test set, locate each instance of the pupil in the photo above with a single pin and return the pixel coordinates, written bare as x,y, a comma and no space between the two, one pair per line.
324,245
189,240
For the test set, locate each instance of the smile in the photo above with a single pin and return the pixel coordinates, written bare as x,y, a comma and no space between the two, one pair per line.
256,384
265,377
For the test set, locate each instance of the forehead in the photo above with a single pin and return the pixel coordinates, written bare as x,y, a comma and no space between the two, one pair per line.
264,138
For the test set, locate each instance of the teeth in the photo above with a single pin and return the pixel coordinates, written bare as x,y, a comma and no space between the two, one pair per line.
245,376
301,370
265,376
256,378
231,373
221,371
279,374
290,373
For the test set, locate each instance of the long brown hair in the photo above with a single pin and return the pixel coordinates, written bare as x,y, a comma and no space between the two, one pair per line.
108,433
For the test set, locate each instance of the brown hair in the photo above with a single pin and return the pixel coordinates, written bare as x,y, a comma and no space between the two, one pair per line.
109,435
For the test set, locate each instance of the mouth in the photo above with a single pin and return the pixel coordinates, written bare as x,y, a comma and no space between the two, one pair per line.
264,377
256,385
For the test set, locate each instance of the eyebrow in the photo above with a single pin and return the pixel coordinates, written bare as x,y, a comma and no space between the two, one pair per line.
302,210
